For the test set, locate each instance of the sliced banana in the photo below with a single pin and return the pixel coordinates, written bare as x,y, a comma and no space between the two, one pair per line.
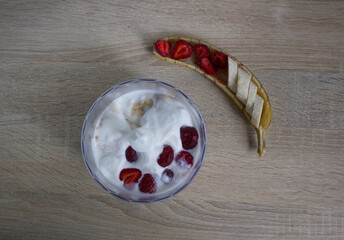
244,80
239,84
252,93
257,111
232,74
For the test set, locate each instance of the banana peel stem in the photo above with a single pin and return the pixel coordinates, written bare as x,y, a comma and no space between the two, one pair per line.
261,141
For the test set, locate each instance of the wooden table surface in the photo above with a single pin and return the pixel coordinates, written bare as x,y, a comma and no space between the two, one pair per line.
57,57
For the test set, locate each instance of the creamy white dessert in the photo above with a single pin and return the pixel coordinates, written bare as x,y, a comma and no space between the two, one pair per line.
146,120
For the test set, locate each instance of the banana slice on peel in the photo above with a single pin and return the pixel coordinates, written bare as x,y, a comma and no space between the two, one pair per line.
236,80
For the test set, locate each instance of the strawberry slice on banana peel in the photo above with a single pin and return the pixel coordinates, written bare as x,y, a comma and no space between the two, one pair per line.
239,84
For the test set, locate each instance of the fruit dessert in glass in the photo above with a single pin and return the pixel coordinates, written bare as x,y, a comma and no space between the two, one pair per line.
143,140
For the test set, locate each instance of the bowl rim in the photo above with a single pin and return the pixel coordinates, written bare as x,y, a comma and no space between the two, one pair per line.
202,125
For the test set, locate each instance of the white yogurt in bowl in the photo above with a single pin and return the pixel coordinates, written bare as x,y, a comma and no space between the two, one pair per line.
149,117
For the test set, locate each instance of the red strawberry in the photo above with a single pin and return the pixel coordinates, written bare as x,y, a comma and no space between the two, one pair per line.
201,50
130,176
181,50
207,66
131,154
166,157
184,160
147,184
189,137
163,47
167,175
219,60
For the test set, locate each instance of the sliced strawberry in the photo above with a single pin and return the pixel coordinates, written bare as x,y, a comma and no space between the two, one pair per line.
131,154
167,176
198,61
181,50
201,50
207,66
163,47
184,160
189,137
130,176
220,60
166,157
147,184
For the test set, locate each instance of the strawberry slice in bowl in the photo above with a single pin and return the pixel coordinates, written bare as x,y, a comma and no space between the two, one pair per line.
167,176
166,157
148,184
184,160
130,176
189,137
131,155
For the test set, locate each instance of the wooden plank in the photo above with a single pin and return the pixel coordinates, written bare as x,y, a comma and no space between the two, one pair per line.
57,58
60,216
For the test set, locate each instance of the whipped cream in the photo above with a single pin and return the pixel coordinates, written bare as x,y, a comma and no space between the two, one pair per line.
146,120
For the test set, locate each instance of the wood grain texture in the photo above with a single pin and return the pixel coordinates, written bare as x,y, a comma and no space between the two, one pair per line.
56,58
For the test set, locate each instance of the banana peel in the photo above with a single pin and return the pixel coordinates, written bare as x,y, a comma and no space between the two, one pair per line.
221,79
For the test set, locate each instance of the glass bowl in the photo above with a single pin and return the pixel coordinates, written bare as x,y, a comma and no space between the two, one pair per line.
90,124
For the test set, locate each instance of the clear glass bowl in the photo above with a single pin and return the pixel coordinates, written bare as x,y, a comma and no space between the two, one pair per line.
98,107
